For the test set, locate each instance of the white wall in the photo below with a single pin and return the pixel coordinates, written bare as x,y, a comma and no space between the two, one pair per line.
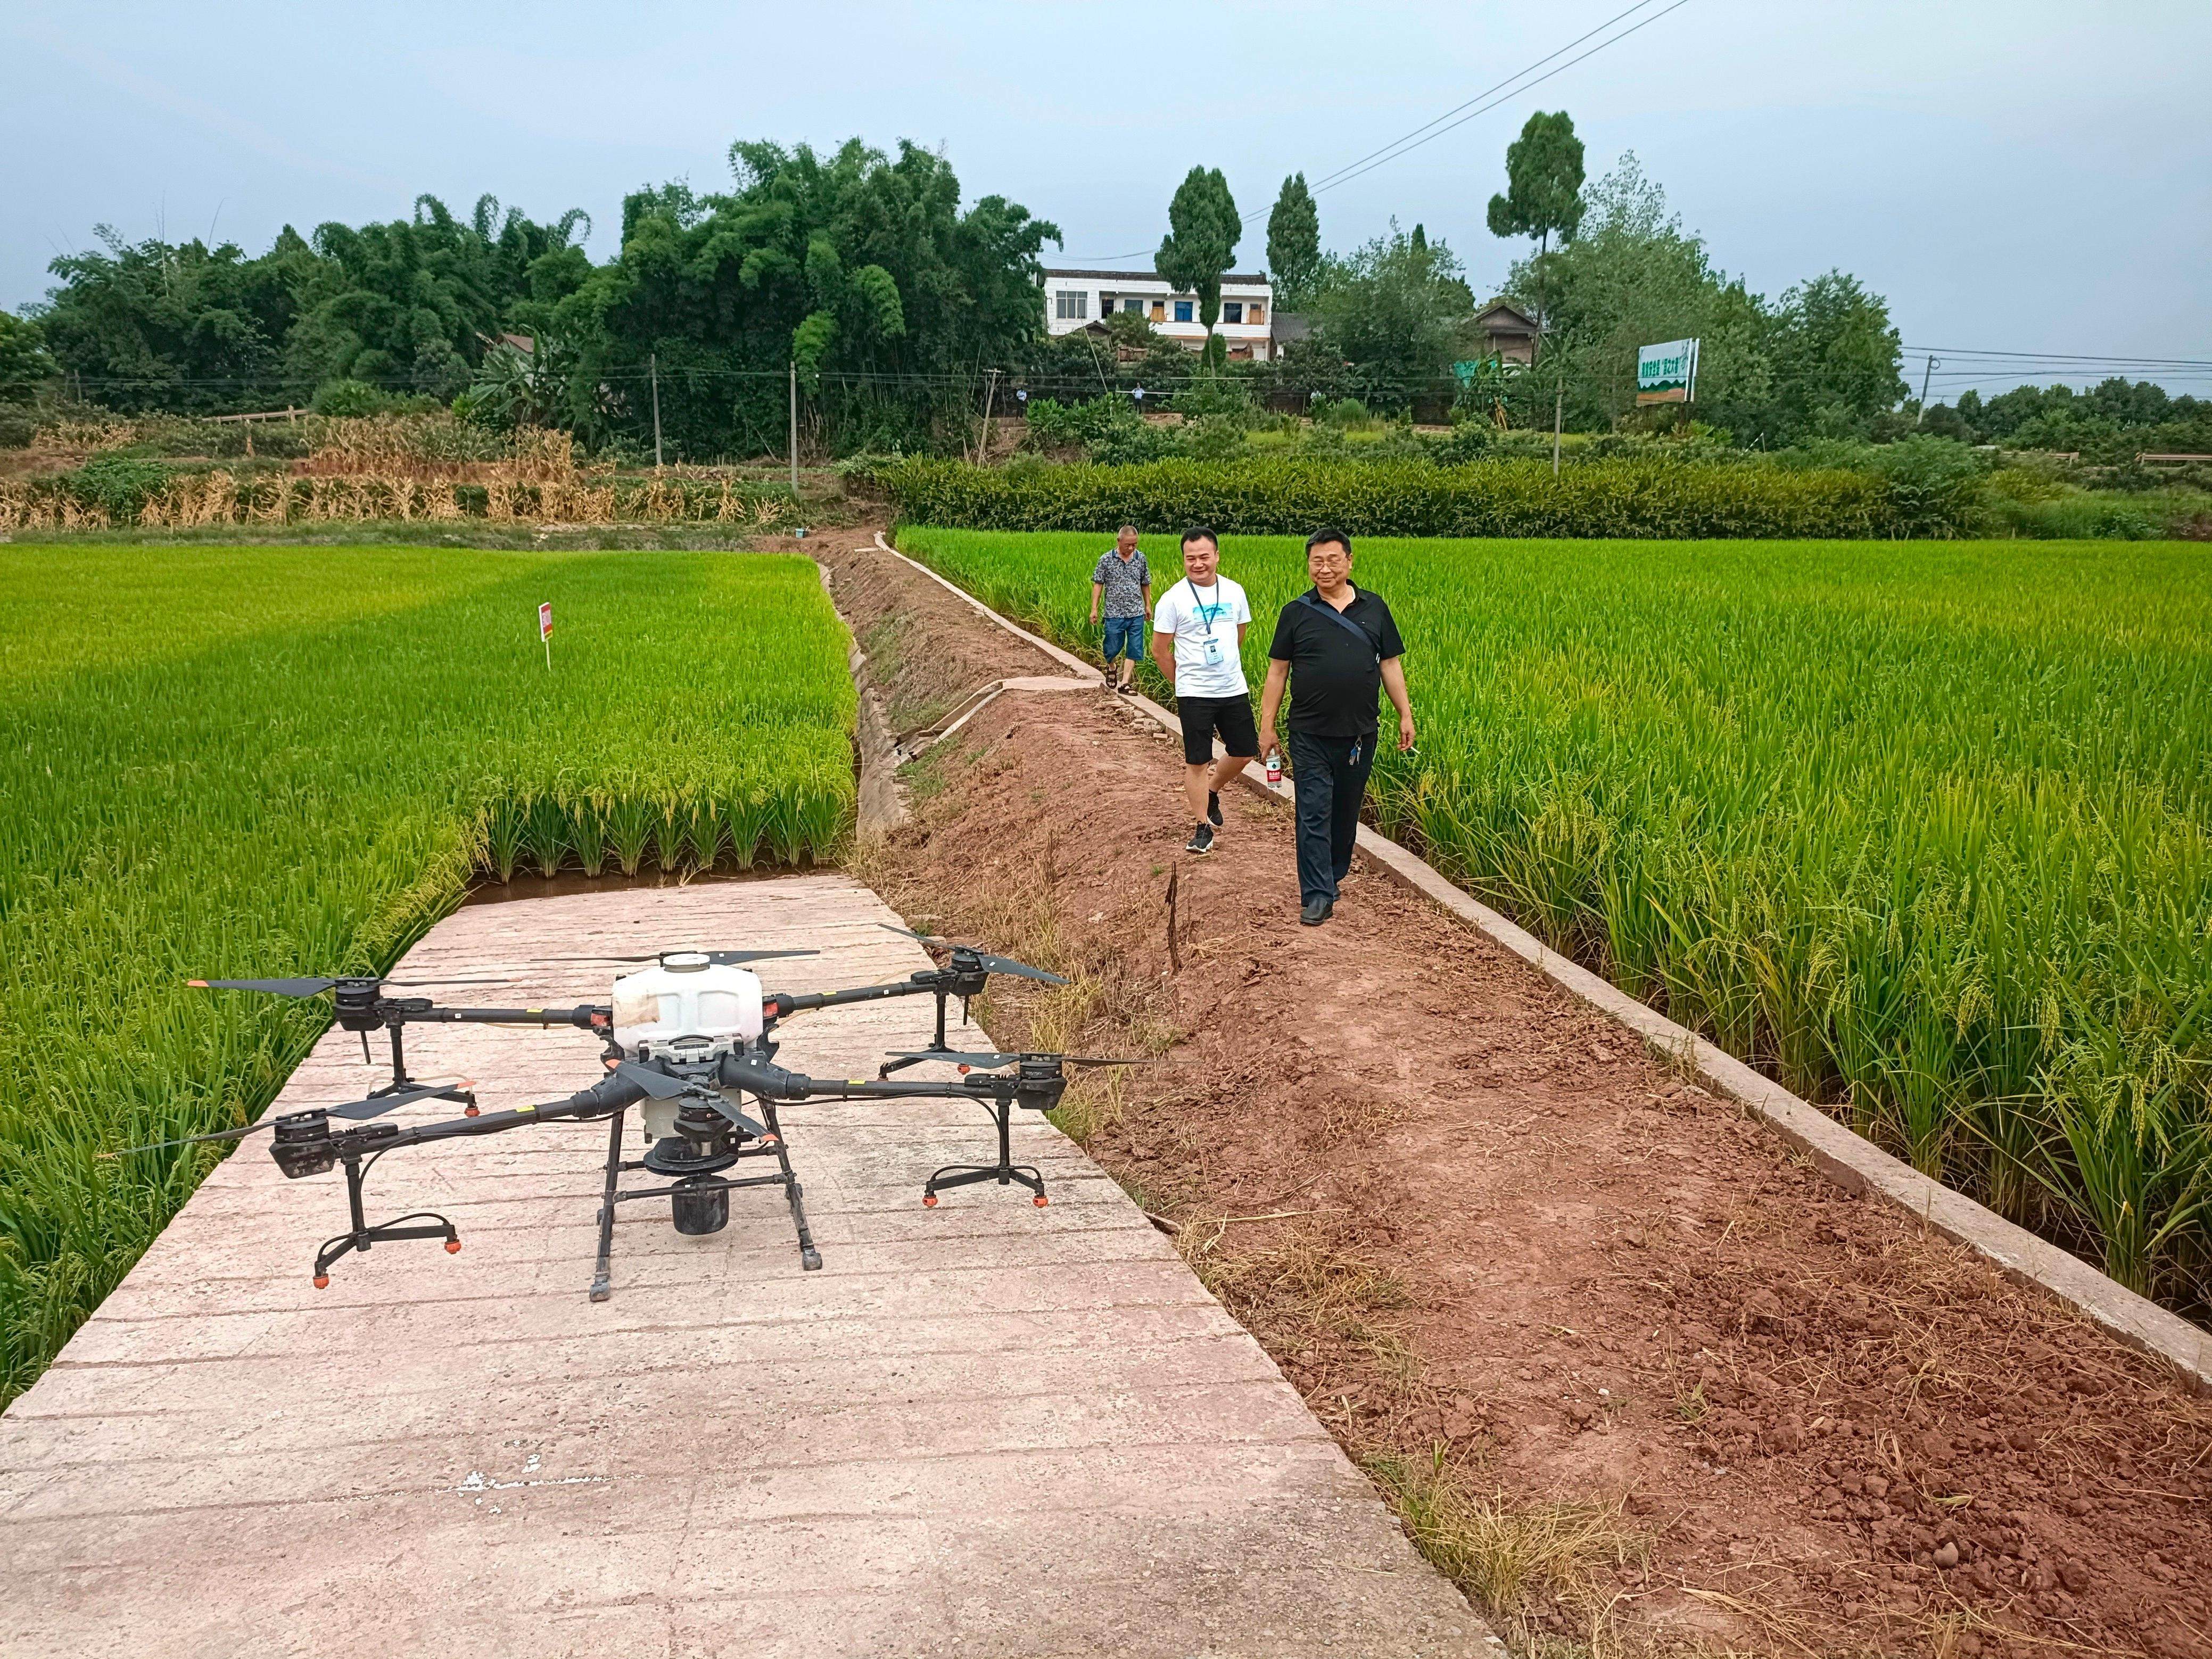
1150,291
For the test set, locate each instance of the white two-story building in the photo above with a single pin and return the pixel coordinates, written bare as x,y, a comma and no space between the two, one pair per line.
1077,299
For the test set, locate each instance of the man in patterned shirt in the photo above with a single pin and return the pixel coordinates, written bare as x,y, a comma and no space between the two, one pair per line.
1123,583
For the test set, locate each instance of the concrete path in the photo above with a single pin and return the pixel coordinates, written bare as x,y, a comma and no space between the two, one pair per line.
983,1430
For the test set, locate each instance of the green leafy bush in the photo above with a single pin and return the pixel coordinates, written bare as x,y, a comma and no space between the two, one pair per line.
1608,498
1214,397
1214,438
2073,516
1933,484
354,398
118,483
1056,425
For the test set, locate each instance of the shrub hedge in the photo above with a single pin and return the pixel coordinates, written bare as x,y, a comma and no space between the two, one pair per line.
1637,498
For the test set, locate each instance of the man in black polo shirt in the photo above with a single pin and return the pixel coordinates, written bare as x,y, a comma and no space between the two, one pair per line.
1335,647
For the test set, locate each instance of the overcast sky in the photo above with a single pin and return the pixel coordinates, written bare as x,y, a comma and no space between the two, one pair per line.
2031,176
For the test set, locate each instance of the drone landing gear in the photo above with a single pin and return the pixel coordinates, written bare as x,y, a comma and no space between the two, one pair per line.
1006,1171
362,1235
699,1198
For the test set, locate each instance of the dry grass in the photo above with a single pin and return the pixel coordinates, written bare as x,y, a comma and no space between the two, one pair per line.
1307,1287
393,468
82,437
1546,1570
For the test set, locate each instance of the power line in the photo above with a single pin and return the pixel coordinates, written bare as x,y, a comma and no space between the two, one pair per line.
1512,86
1329,179
1408,148
2059,356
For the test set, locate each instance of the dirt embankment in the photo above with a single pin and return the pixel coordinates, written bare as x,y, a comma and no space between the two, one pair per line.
1631,1374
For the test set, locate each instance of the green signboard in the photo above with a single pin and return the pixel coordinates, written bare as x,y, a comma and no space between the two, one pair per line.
1668,373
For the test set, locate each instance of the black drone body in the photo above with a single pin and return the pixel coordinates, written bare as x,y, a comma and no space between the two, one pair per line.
702,1071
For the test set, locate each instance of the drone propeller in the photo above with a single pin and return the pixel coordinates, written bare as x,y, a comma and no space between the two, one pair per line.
984,959
309,987
358,1110
719,959
979,1062
661,1086
658,1084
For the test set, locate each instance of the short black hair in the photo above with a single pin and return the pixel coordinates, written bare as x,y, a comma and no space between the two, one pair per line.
1200,532
1326,534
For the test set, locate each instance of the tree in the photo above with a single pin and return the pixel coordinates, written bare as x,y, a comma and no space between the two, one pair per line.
411,305
24,364
1203,231
1543,189
1393,312
1835,355
1633,277
179,326
858,267
1294,244
1823,363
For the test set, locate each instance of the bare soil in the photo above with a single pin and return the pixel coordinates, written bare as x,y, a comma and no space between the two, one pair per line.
1547,1289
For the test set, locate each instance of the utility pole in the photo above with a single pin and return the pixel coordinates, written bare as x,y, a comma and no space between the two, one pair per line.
990,394
795,430
652,361
1926,375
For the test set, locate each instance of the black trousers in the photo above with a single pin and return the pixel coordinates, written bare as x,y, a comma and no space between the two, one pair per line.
1330,785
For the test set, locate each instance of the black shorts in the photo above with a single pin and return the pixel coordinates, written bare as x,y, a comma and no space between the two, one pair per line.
1231,716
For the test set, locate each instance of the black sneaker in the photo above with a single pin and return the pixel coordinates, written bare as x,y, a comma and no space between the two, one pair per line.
1316,912
1212,808
1200,842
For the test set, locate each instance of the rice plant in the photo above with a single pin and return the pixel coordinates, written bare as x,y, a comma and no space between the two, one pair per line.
1926,831
231,762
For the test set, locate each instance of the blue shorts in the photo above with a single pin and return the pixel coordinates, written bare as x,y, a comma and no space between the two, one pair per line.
1125,636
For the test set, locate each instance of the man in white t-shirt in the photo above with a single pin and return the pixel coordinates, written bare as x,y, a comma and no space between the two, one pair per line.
1197,628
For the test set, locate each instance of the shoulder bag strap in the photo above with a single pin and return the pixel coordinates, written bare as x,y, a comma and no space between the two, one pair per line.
1342,621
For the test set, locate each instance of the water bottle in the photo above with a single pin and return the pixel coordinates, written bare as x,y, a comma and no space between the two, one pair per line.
1274,766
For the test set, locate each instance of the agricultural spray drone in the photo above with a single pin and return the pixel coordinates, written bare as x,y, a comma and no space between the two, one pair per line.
688,1039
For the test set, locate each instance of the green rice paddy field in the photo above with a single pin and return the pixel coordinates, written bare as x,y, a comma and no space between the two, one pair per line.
1923,829
276,761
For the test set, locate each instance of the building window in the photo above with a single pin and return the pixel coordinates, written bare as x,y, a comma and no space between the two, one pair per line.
1232,311
1182,310
1073,305
1255,313
1159,310
1135,306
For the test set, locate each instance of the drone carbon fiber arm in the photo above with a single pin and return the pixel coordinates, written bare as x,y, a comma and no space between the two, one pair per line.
586,1016
609,1095
783,1003
1040,1091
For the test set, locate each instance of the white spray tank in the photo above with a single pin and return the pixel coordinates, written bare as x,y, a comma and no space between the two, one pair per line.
687,1010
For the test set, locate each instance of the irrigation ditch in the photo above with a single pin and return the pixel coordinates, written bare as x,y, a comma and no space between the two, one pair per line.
1634,1369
